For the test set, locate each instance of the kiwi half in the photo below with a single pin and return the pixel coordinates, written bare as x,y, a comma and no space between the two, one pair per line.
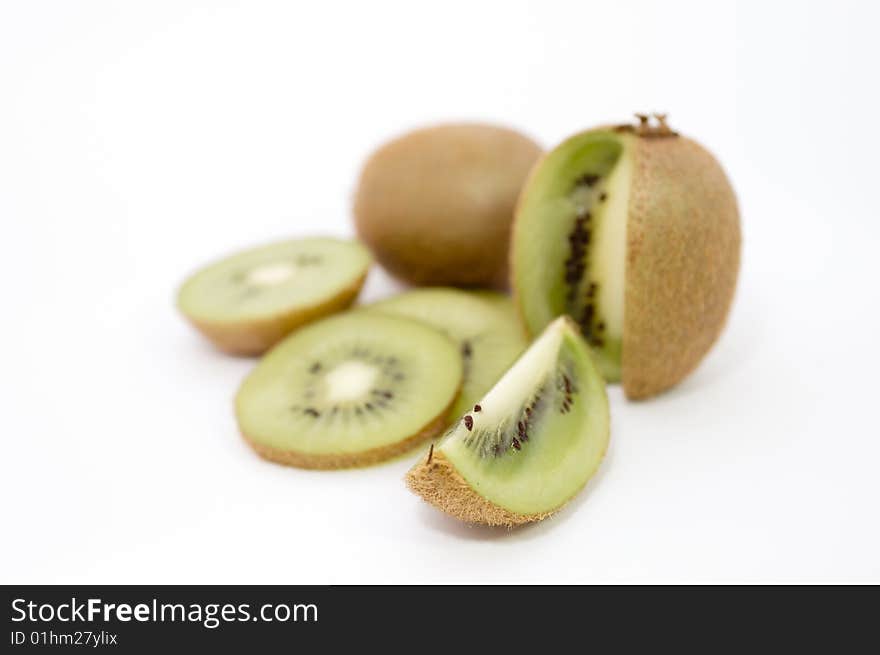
349,390
249,301
484,324
530,444
634,232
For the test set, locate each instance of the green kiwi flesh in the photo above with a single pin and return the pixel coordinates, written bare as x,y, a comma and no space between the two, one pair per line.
349,390
484,324
530,444
569,241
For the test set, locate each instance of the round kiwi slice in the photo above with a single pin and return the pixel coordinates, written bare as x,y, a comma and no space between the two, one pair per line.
633,231
530,444
483,323
349,390
249,301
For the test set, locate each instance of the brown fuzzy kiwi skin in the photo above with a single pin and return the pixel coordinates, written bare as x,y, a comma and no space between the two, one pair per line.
352,460
682,262
437,481
255,337
436,204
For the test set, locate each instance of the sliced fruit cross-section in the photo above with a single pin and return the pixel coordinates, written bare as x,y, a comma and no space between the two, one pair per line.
349,390
249,301
571,241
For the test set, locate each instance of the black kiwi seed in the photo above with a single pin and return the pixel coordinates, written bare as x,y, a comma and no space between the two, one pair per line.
575,264
588,179
314,368
311,411
466,349
477,408
502,439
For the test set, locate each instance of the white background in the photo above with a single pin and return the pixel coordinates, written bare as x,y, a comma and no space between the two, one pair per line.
140,139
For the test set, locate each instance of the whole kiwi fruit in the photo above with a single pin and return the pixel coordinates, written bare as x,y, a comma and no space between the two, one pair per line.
634,231
435,205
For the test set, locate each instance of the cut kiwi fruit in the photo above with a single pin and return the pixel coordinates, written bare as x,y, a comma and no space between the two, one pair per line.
634,232
349,390
484,324
249,301
530,444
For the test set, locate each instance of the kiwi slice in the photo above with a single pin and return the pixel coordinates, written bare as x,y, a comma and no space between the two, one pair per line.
633,231
349,390
530,444
484,324
249,301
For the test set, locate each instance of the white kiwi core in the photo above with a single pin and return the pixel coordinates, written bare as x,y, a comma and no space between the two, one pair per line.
350,381
608,254
271,274
521,378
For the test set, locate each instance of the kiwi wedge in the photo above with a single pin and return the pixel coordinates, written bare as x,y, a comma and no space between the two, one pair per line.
484,324
633,231
530,444
349,390
249,301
